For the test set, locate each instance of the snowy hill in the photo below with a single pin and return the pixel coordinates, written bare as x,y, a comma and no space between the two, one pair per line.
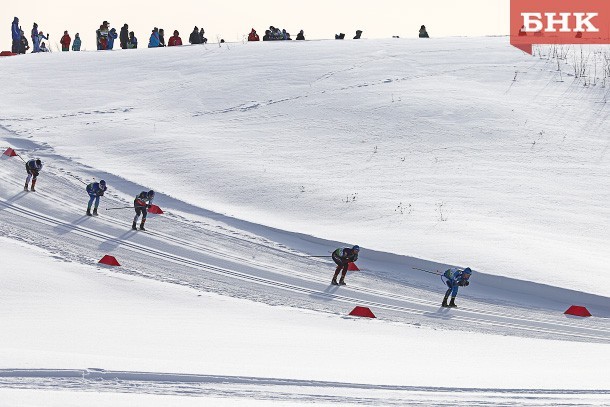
427,154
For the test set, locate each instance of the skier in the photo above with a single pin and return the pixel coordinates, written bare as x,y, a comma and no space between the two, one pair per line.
33,168
343,257
95,191
455,278
142,202
77,43
65,41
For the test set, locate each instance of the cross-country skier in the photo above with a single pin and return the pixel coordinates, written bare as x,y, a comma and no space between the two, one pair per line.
33,168
142,202
343,257
455,278
95,191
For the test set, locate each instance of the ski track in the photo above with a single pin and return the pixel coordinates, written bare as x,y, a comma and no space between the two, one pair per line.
210,256
288,390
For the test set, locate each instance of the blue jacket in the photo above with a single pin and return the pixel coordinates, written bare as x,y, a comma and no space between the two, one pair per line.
112,35
15,30
154,40
76,44
94,189
455,275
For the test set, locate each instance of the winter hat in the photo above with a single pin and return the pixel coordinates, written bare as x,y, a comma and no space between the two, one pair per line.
467,270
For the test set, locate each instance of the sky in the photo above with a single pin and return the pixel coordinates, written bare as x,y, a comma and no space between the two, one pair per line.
232,20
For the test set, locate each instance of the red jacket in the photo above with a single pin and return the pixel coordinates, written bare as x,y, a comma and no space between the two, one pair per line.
65,41
174,40
253,36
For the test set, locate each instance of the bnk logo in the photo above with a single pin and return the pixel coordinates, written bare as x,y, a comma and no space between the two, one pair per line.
559,22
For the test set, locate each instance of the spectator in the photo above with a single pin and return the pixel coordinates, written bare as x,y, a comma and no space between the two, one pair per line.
112,35
175,39
16,35
102,36
65,42
253,36
161,37
43,47
267,36
133,41
286,35
23,45
194,37
423,33
154,38
339,36
202,37
358,34
77,43
35,39
301,36
41,37
124,36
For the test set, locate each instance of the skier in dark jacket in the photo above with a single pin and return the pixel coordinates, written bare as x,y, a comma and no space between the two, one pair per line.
194,37
124,36
141,205
33,168
455,278
161,37
16,34
95,191
301,36
343,257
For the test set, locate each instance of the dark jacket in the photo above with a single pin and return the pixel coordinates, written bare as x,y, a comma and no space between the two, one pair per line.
15,30
124,36
195,38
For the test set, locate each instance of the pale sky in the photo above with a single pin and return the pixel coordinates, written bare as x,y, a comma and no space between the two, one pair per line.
232,20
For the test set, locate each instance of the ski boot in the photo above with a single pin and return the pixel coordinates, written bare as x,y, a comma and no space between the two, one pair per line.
133,225
89,212
334,281
25,188
33,185
142,225
452,303
444,304
342,282
94,211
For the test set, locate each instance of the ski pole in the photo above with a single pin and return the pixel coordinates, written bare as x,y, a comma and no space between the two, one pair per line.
122,207
318,256
21,158
427,271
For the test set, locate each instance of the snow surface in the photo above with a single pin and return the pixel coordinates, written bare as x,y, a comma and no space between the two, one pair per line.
58,316
439,153
427,154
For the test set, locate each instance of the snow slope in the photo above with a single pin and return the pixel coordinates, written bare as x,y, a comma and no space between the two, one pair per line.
68,322
258,167
429,149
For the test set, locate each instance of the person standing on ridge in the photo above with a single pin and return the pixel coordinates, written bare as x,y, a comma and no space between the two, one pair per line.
175,40
124,36
194,37
95,191
77,43
112,35
343,257
141,205
16,35
423,33
65,41
455,278
33,168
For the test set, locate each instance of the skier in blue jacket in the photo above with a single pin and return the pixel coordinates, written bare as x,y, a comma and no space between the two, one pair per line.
342,258
16,33
455,278
141,205
112,35
95,191
33,168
